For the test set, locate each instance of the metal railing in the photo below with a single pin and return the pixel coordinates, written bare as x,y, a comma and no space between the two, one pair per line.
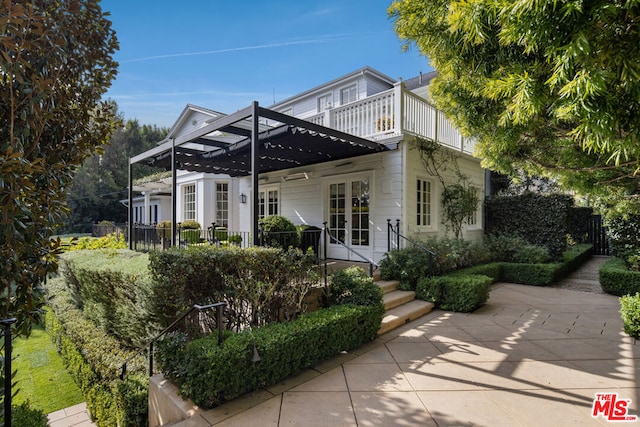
331,238
6,333
395,232
218,306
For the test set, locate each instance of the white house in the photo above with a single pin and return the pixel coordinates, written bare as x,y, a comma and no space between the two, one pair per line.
340,153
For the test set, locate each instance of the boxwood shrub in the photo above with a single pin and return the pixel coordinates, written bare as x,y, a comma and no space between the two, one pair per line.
630,312
459,292
210,373
616,279
93,358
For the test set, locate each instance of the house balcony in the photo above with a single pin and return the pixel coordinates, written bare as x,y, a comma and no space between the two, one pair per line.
394,113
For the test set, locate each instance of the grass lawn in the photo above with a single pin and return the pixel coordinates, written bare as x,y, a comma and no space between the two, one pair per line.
41,377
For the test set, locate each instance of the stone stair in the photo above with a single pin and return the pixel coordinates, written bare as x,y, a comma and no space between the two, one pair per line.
401,306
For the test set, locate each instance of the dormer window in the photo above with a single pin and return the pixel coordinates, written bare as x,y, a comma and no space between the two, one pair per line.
325,102
348,94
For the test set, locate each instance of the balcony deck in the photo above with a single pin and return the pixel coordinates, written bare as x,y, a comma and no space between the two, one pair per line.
394,113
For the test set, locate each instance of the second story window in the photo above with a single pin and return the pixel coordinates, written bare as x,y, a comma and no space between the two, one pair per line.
189,205
325,102
347,95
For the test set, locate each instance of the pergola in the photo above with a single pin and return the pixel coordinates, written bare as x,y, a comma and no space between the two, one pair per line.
239,145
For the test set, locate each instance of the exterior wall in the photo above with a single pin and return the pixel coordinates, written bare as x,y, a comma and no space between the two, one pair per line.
305,201
470,167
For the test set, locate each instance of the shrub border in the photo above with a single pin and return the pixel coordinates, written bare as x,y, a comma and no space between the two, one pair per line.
616,279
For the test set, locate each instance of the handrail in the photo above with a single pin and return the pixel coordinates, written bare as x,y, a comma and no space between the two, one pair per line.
218,306
390,230
336,240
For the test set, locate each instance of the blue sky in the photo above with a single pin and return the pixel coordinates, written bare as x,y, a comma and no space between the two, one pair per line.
223,55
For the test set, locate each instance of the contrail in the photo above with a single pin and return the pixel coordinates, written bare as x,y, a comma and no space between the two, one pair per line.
237,49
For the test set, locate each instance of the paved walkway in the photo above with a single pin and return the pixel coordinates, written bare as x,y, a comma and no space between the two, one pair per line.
532,356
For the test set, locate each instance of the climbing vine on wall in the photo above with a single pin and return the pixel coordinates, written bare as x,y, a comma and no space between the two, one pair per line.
459,199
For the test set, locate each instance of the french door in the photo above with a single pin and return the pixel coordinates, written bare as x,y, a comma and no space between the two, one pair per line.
348,218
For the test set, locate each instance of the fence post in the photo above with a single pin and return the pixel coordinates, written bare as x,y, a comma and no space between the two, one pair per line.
6,323
388,234
398,234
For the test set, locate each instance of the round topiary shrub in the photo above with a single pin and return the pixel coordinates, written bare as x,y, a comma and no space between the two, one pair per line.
278,232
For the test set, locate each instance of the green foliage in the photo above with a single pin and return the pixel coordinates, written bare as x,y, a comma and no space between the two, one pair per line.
630,312
460,292
102,180
260,285
57,63
410,264
24,415
354,286
459,199
492,270
109,241
209,373
624,236
278,232
546,87
530,274
93,358
190,225
616,279
164,229
541,220
578,227
515,249
113,289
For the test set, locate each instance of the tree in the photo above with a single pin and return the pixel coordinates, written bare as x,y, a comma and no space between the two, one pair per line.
547,87
56,63
102,181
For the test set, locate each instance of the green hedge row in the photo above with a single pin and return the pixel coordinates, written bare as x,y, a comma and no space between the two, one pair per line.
616,279
210,373
630,313
540,219
93,358
534,274
461,292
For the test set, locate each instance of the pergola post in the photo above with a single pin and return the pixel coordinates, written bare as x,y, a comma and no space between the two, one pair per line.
174,195
254,171
130,207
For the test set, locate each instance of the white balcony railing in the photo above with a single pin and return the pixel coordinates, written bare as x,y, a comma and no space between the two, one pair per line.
393,113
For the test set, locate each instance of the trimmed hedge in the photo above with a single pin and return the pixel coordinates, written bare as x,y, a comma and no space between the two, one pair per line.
540,219
93,358
461,293
630,313
616,279
210,373
534,274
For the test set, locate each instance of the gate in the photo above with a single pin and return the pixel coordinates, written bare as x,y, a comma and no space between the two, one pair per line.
598,236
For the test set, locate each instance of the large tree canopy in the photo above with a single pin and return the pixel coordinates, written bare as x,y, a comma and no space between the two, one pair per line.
547,86
55,65
102,181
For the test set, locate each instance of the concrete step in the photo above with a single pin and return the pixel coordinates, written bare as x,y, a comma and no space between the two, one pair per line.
404,314
388,285
397,298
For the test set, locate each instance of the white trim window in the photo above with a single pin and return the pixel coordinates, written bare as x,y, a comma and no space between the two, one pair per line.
325,102
348,94
268,202
473,220
222,204
424,203
189,202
